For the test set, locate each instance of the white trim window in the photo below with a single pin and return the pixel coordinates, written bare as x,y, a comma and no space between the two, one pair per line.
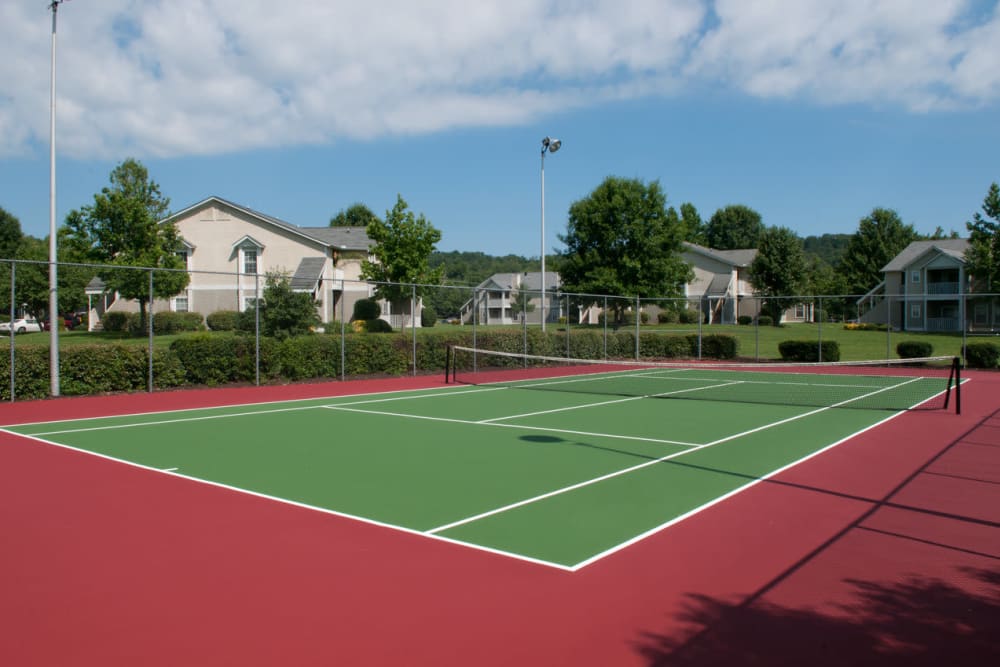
915,277
915,311
180,303
248,260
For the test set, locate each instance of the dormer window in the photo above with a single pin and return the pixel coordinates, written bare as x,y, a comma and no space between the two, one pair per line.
248,251
249,260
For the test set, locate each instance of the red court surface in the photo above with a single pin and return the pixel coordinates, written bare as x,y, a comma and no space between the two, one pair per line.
884,550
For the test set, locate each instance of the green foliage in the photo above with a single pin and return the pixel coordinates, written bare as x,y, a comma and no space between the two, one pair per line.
688,316
402,247
223,320
622,240
808,350
115,321
715,346
428,317
283,312
913,349
366,309
355,215
778,269
668,317
983,256
377,326
764,320
880,237
828,249
734,227
214,360
695,230
982,354
167,322
10,234
744,320
123,228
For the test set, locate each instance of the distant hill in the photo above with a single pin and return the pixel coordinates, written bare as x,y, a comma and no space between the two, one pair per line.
472,268
828,247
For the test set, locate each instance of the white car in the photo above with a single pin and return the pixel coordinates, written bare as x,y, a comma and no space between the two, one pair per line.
21,326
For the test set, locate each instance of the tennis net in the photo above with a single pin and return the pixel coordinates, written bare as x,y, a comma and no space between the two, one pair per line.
929,383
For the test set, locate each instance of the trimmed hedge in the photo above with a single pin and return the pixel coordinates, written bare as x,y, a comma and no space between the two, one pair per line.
223,320
219,358
913,349
981,354
744,320
808,350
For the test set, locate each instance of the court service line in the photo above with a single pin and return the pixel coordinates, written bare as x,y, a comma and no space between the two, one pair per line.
524,427
625,471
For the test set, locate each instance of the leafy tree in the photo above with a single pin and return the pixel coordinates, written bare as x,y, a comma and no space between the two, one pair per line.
284,313
828,247
621,240
10,234
983,256
122,228
823,280
778,270
880,237
733,227
403,244
521,303
355,215
694,227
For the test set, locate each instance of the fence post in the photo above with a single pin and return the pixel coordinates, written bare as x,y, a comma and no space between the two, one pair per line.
819,322
343,334
756,329
149,386
413,324
701,316
888,326
637,328
604,317
13,297
256,317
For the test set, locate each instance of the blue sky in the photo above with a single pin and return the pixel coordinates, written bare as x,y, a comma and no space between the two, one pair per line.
812,112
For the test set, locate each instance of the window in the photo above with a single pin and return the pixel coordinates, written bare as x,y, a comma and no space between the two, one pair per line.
915,311
250,260
914,277
180,304
185,258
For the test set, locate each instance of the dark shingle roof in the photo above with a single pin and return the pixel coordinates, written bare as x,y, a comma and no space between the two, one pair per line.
953,247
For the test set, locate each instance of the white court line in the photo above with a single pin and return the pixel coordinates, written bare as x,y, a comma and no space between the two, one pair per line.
611,402
448,420
646,464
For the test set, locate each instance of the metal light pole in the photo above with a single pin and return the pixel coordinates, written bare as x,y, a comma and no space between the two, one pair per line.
551,146
53,268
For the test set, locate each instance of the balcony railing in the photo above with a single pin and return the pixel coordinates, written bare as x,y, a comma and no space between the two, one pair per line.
942,288
942,324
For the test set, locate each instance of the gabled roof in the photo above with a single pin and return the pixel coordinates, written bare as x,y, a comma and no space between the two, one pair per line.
741,257
954,248
529,281
340,238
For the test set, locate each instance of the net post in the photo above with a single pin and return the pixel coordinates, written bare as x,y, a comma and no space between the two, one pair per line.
958,386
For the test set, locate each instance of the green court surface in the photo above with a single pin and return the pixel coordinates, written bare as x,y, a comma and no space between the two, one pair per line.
559,472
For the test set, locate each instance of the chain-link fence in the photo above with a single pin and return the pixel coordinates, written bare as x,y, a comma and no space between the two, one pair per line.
217,329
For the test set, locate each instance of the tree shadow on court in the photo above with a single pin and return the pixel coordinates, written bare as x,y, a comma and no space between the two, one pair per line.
912,622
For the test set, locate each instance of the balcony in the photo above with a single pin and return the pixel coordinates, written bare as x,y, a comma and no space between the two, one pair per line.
943,288
943,324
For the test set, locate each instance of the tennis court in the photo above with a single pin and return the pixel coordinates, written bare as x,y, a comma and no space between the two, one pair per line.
557,464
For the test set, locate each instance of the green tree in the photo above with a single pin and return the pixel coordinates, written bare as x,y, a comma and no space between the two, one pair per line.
983,256
621,240
880,236
123,228
403,244
355,215
521,304
283,312
779,270
694,227
10,234
734,227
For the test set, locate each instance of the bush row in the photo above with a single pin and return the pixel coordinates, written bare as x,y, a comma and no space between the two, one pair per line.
809,350
165,322
982,354
216,359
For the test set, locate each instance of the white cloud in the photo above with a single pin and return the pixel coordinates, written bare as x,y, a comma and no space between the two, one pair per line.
186,77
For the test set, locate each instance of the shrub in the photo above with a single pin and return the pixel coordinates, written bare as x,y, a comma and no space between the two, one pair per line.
744,320
808,350
715,346
428,316
223,320
688,316
377,326
765,320
667,317
912,349
115,321
366,309
981,354
167,322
